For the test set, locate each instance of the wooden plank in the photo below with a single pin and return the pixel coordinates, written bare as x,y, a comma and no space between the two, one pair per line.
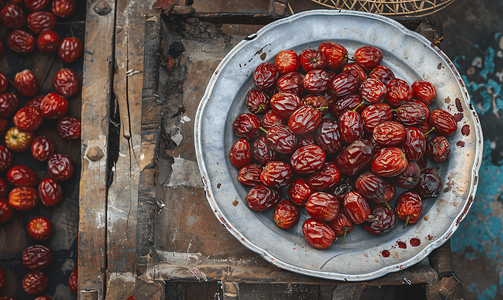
123,192
448,288
441,260
150,132
417,274
96,95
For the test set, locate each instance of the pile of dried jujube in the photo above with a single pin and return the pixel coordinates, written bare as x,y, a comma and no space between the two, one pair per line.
21,180
340,135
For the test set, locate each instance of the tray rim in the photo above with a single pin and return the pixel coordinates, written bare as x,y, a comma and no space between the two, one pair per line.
439,241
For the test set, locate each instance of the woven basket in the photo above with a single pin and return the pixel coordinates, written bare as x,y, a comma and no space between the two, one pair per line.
398,8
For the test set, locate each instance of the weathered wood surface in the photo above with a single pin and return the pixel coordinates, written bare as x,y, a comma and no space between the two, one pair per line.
150,131
198,271
123,192
448,288
185,241
441,260
96,97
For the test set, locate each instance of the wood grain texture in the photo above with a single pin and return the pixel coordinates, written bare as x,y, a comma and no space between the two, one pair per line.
231,271
123,192
178,236
441,260
96,96
448,288
150,132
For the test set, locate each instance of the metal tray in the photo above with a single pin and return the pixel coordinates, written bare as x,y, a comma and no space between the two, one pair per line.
411,57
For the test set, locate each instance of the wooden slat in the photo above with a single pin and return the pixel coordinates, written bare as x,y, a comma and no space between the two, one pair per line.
150,131
96,95
441,260
123,192
416,274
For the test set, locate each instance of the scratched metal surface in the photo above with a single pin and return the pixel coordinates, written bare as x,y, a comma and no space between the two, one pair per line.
411,57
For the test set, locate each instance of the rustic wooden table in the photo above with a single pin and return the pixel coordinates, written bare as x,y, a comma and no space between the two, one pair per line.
111,135
144,219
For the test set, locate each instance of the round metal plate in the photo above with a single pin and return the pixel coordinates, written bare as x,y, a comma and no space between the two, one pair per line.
411,57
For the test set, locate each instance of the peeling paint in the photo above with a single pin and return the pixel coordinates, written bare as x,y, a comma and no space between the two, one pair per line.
179,258
185,119
99,219
128,277
185,173
480,234
177,138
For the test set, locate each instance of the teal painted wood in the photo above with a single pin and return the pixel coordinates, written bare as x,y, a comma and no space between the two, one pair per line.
476,47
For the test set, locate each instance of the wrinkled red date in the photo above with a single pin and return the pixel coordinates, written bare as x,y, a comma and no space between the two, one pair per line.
372,90
271,119
389,133
438,148
409,207
286,214
368,57
276,174
50,192
346,103
356,208
316,81
430,183
317,234
370,186
345,83
265,75
412,113
382,219
37,257
250,175
355,157
262,151
311,59
398,92
304,120
287,61
375,114
382,73
261,198
414,144
240,153
356,67
281,139
389,161
351,126
443,122
284,104
246,125
308,159
336,55
257,102
291,83
408,178
324,179
328,136
341,225
424,91
322,206
299,191
60,167
317,101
